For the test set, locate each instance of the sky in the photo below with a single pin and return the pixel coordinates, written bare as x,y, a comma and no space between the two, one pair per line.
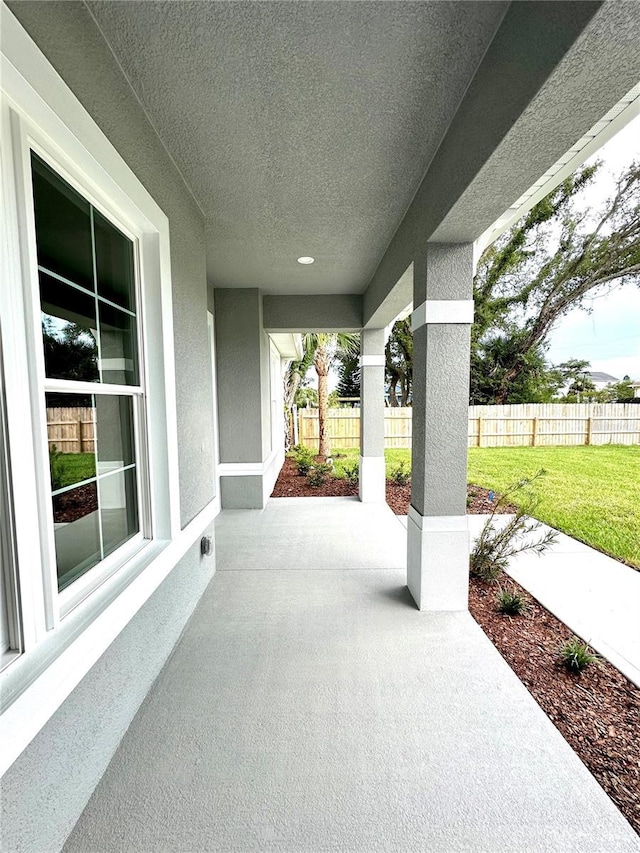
609,336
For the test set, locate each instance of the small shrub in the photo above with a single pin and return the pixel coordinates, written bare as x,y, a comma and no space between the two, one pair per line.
352,472
318,474
56,468
304,459
493,548
576,655
401,476
511,602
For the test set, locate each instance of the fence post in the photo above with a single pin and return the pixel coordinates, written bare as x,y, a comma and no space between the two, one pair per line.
534,431
79,429
479,432
588,436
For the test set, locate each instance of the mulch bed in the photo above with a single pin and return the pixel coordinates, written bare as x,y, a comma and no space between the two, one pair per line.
597,711
291,485
75,504
478,501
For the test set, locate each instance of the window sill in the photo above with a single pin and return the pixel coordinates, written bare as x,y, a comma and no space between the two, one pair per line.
117,563
36,661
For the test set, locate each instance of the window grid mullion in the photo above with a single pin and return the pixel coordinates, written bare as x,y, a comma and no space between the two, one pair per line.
95,289
68,386
106,474
85,290
56,275
63,489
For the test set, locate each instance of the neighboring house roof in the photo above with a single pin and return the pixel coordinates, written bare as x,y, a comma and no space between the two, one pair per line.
596,376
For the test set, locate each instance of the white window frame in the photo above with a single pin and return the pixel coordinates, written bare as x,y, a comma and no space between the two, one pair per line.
62,603
60,641
9,588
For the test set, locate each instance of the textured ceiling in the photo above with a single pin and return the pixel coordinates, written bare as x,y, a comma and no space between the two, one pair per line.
302,128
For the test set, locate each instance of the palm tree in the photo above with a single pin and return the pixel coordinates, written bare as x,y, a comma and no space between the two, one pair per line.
295,373
324,348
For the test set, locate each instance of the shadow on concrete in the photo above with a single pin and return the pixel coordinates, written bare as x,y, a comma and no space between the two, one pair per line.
399,595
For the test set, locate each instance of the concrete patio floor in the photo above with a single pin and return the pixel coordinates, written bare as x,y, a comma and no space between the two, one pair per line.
310,707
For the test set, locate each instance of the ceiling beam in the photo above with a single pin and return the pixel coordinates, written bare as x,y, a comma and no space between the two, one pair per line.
321,313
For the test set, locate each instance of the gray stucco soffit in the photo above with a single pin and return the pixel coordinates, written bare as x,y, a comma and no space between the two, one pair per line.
302,128
551,72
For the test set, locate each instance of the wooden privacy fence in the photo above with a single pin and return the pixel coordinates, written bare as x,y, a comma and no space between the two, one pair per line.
525,425
71,430
554,424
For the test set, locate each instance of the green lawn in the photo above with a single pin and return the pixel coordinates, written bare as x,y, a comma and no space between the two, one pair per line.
72,468
590,493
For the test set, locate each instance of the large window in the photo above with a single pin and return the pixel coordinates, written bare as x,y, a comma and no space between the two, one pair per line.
93,389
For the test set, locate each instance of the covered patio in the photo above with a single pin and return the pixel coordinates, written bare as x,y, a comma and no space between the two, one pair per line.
225,672
310,706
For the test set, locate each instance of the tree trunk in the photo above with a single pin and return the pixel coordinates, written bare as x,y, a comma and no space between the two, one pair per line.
322,369
393,400
289,399
502,393
289,430
405,391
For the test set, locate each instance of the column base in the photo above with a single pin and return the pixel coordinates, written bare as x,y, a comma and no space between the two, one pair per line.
438,561
248,485
372,479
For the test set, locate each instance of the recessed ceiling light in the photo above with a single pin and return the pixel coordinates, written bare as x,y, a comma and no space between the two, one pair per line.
306,260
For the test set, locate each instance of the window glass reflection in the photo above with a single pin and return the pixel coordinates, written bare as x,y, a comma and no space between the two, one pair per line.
118,508
68,331
71,439
118,347
115,432
76,532
63,226
114,263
